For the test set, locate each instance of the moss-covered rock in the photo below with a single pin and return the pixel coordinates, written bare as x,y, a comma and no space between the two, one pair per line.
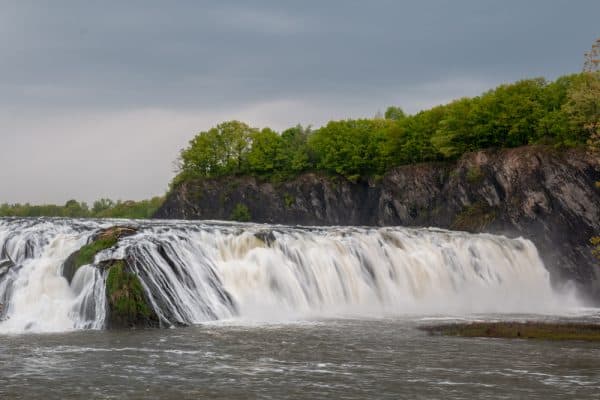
103,240
240,213
128,306
474,218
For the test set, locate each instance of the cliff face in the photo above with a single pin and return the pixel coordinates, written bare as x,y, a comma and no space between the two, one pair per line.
546,196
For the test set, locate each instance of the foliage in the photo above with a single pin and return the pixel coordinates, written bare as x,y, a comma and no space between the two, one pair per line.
583,108
394,113
474,218
562,113
474,174
350,147
126,294
240,213
103,208
142,209
86,254
289,200
221,150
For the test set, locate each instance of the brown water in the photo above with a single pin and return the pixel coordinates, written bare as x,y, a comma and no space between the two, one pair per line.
337,359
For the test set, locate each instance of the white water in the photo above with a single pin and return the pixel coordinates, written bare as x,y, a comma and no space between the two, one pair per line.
198,272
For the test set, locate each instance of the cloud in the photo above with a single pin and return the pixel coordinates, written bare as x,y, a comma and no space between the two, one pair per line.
98,97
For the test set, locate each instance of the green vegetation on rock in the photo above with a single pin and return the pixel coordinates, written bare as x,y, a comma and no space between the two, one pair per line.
474,218
519,330
474,174
595,242
240,213
128,305
105,239
86,254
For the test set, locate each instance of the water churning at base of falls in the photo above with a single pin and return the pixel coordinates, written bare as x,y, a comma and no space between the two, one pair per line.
194,272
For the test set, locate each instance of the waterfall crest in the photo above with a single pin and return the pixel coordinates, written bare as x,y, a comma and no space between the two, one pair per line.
193,272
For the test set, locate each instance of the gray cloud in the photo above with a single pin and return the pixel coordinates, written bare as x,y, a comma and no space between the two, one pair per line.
98,97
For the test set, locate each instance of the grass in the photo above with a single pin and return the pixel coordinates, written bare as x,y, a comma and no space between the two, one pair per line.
519,330
87,253
105,240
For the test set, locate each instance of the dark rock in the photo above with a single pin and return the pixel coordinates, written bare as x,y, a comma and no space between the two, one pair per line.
536,192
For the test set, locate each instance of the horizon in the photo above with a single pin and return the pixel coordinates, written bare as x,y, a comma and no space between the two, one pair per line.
100,99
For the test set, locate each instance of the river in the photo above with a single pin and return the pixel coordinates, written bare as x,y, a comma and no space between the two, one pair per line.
283,312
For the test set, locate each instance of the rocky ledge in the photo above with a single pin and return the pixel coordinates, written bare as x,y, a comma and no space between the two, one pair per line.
548,196
127,303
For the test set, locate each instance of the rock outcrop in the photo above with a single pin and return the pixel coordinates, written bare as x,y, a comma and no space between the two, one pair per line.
102,240
127,304
542,194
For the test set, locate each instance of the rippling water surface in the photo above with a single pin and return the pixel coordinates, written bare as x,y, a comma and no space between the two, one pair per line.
344,359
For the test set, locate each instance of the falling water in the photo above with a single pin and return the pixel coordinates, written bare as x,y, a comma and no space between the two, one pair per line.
193,272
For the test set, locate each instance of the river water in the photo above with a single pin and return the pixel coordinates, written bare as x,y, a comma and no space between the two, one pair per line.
282,312
339,359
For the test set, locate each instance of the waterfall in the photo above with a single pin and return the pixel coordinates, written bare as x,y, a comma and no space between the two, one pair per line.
194,272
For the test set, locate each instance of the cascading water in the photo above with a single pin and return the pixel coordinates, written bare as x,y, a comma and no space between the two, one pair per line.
194,272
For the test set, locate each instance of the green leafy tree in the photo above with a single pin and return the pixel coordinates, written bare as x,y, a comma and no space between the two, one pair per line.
455,134
509,115
351,148
409,140
102,205
394,113
218,151
264,156
75,209
295,154
583,109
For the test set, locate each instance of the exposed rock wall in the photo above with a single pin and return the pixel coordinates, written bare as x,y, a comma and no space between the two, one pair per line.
547,196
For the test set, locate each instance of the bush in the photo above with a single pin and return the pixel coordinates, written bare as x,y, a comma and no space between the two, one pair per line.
240,213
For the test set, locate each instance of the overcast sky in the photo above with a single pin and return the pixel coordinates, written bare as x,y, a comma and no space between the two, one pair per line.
98,97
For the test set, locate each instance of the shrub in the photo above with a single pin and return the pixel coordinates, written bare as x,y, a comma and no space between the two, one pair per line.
240,213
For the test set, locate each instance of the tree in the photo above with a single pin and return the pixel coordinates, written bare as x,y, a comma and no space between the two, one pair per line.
455,134
236,139
75,209
295,153
583,109
592,58
218,151
394,113
101,205
351,147
264,156
409,139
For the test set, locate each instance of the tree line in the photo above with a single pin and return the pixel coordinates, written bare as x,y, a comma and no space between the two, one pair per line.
102,208
562,113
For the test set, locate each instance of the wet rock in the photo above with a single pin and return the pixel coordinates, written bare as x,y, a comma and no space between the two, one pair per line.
102,240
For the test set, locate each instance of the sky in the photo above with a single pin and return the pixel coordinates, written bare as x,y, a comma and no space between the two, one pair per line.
97,98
